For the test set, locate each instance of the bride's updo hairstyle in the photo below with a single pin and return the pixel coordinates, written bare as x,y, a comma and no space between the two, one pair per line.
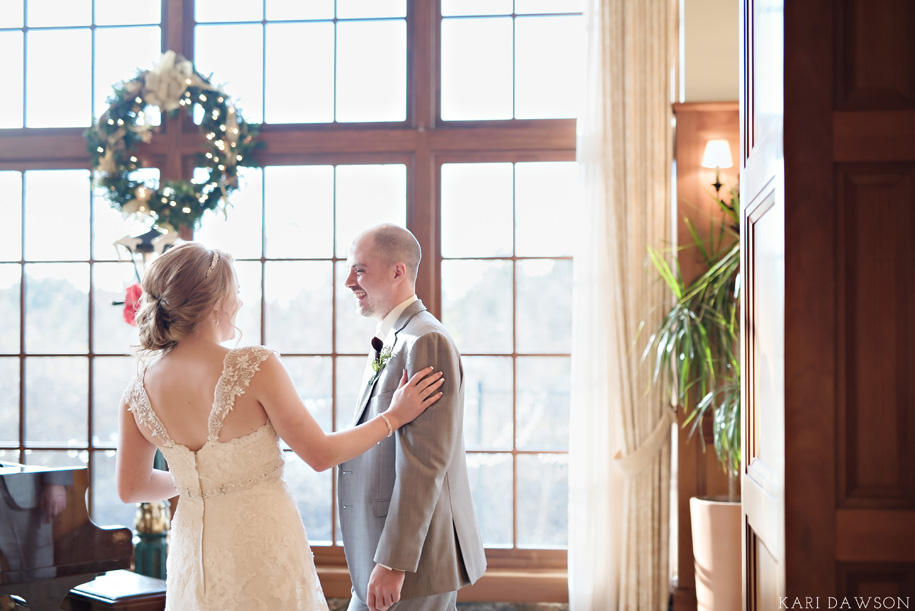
180,290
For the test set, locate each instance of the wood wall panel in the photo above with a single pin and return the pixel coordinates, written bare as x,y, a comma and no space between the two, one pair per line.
876,306
765,570
875,55
875,535
764,361
698,471
874,136
895,582
848,145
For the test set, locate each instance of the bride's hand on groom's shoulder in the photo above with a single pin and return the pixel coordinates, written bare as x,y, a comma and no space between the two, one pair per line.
415,395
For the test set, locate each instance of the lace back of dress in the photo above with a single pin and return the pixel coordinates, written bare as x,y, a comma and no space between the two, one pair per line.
138,403
240,366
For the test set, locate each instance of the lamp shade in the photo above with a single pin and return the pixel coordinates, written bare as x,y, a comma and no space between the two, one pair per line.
717,154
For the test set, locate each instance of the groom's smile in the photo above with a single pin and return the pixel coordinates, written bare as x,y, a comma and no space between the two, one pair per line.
363,281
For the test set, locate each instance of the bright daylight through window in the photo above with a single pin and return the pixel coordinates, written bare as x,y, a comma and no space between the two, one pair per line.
455,119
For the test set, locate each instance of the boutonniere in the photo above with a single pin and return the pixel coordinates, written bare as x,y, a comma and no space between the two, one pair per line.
382,356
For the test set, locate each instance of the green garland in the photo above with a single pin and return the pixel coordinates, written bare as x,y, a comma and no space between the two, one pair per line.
112,143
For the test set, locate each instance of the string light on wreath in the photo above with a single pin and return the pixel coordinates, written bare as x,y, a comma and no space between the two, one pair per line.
227,142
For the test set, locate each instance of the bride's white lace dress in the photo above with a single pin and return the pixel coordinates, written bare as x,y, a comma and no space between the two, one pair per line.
237,539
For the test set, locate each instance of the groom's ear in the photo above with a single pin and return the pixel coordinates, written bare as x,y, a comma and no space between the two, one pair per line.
400,271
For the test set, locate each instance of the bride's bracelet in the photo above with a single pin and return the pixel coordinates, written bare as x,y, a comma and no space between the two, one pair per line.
387,424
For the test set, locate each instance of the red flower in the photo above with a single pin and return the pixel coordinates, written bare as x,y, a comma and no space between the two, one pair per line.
132,303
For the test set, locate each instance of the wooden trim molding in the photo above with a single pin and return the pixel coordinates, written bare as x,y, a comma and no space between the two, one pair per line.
497,585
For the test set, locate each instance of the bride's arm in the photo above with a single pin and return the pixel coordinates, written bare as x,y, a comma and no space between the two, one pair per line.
292,421
137,481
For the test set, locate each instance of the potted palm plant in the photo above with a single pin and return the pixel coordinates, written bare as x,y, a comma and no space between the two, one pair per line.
694,355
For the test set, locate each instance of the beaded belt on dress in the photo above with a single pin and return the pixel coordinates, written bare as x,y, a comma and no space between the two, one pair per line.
271,471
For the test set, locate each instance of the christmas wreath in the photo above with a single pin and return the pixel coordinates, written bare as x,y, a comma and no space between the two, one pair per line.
112,142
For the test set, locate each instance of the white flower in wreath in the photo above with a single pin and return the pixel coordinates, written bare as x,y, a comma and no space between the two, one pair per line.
139,205
107,162
168,80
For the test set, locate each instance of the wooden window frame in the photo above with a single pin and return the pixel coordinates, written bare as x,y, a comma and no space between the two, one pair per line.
423,142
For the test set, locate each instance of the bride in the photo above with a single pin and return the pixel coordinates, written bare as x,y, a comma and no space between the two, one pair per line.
217,415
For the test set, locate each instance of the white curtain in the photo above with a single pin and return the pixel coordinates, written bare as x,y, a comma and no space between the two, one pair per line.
620,430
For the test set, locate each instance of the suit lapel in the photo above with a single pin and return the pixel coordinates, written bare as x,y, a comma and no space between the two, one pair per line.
412,310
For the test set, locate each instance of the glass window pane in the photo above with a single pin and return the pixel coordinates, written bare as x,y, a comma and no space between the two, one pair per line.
549,6
11,212
110,225
119,54
118,12
298,301
279,10
476,7
476,69
299,212
354,331
550,66
56,308
72,74
543,403
366,196
237,230
50,13
110,375
350,370
236,65
57,458
372,71
56,215
248,320
11,13
477,305
476,209
313,495
544,329
308,95
491,486
312,378
10,295
111,333
56,395
543,501
107,508
362,9
488,402
9,401
228,10
11,72
547,198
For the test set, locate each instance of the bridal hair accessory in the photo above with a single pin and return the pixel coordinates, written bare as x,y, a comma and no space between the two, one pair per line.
212,264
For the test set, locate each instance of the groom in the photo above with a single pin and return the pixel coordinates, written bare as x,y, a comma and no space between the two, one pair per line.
409,530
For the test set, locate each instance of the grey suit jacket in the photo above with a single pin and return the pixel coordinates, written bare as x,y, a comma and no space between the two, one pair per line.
406,502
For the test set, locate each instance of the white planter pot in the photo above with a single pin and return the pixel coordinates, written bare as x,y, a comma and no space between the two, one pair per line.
716,552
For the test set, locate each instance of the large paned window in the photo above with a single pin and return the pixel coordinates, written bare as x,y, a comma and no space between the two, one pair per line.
454,118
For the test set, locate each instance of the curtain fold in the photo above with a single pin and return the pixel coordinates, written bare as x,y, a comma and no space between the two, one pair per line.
619,474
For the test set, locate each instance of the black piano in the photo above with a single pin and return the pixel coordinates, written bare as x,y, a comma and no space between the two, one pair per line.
48,544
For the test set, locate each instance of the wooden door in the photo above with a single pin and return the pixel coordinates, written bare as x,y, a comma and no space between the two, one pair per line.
828,139
762,196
